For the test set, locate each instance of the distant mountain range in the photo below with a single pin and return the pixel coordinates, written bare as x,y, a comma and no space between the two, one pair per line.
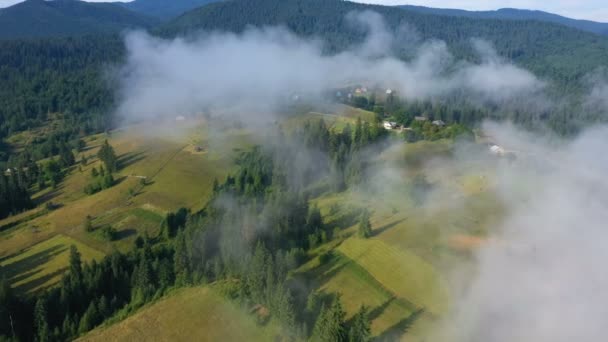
515,14
39,18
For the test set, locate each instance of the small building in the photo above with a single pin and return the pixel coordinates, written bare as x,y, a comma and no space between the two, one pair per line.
389,91
180,118
198,149
439,123
390,125
420,118
495,149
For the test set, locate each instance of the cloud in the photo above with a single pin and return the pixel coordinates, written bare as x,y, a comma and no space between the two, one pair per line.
541,277
258,70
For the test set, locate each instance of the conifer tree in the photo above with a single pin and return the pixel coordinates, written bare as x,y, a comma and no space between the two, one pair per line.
365,227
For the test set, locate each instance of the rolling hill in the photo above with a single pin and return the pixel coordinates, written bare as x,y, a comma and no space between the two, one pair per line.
164,9
39,18
515,14
547,49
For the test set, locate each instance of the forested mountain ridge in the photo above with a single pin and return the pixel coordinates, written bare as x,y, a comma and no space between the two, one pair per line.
164,9
549,50
68,75
39,18
515,14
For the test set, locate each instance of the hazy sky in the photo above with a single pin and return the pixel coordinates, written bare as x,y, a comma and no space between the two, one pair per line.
581,9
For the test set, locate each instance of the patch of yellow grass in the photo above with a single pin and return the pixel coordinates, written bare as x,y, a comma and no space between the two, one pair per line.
191,314
403,273
43,264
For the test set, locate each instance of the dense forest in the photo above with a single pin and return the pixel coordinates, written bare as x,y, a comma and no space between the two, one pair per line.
42,76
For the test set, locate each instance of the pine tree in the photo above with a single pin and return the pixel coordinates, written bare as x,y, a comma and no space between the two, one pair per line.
90,318
181,262
330,326
43,332
88,223
365,227
360,330
107,155
75,263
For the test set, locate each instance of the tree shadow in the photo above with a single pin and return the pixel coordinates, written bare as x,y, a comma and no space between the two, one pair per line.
49,195
378,310
15,269
125,233
130,158
30,285
394,332
386,227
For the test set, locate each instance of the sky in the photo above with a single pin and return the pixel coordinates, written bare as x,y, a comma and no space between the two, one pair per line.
596,10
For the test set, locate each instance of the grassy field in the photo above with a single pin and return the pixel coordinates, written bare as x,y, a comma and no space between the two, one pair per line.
188,314
402,273
407,263
44,263
176,174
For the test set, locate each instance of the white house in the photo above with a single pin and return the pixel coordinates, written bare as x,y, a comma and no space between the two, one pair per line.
389,91
495,149
439,123
390,125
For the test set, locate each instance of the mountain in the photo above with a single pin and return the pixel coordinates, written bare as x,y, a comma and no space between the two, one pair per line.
39,18
164,9
67,74
550,50
515,14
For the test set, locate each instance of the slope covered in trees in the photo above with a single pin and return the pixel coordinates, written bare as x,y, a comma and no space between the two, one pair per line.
164,9
549,50
515,14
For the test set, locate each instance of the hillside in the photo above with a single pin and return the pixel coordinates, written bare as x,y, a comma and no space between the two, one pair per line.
39,18
549,50
164,9
515,14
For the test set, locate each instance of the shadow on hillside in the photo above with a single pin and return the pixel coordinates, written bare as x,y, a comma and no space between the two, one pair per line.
125,233
130,158
30,285
48,196
378,310
386,227
14,270
394,332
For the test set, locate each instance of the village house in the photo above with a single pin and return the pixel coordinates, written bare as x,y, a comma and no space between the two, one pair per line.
439,123
390,125
495,149
420,118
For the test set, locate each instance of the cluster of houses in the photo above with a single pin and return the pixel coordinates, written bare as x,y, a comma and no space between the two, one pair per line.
391,125
359,91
